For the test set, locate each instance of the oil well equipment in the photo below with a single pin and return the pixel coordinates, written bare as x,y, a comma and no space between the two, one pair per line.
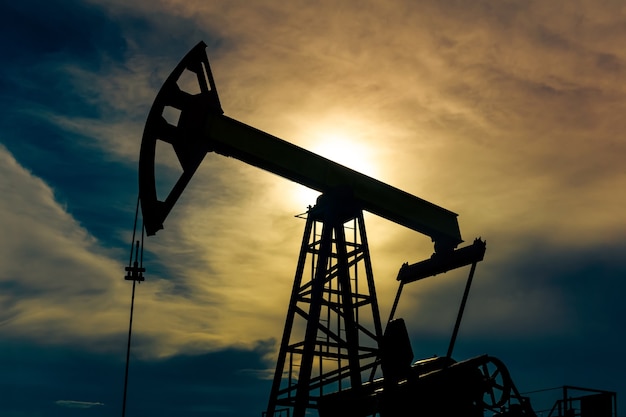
336,356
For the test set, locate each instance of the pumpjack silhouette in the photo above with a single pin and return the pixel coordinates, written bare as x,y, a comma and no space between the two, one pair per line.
335,357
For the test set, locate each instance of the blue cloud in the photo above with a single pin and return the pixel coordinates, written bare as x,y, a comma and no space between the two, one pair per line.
40,30
222,383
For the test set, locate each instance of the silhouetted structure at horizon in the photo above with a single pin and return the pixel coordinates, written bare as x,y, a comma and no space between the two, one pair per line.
334,347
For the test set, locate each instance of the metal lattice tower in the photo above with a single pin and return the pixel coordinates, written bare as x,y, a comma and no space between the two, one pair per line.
333,325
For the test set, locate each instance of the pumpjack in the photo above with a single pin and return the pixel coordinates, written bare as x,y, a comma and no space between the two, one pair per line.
335,358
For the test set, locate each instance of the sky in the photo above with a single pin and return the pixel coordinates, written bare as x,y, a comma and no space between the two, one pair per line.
509,113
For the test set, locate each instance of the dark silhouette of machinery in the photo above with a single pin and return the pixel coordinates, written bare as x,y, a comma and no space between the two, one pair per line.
335,357
583,402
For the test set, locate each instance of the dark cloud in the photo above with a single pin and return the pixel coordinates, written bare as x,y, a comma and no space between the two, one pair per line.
42,31
88,177
39,379
572,336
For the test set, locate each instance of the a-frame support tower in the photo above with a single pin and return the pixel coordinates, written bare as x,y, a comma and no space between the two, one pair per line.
333,323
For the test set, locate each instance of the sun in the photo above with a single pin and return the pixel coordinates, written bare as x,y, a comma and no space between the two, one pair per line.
341,147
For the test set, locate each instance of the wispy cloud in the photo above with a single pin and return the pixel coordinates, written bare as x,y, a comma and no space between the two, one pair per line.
77,404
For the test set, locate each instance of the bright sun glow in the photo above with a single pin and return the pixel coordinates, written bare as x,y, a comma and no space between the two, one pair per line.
343,148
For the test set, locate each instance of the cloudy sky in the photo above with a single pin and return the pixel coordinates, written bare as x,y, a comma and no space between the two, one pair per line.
509,113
